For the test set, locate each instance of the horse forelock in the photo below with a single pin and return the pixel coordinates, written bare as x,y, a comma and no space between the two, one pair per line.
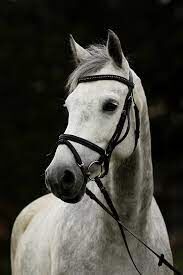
97,59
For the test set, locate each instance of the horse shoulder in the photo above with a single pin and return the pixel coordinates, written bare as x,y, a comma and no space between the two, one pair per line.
24,219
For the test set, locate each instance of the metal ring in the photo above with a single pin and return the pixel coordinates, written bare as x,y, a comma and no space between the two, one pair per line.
89,167
80,164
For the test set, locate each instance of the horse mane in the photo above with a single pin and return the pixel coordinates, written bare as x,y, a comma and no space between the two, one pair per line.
94,62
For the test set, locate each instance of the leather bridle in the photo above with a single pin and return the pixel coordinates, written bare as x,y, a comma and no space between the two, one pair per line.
105,156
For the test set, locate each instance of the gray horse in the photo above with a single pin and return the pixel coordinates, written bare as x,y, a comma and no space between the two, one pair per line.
51,237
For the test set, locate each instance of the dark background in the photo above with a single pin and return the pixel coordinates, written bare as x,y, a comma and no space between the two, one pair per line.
35,62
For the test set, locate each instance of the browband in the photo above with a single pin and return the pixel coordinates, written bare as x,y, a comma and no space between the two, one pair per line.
118,78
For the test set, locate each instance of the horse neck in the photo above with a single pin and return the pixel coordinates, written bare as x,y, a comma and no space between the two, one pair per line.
131,184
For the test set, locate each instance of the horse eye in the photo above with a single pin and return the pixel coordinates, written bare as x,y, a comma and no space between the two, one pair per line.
110,106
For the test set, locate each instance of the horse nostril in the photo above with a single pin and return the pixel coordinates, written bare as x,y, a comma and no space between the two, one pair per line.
68,179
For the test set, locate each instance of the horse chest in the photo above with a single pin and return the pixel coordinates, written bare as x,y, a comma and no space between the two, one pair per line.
77,241
89,247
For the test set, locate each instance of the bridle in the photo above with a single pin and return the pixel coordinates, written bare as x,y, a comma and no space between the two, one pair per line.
105,156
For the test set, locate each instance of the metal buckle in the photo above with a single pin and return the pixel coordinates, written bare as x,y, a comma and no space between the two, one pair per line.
95,162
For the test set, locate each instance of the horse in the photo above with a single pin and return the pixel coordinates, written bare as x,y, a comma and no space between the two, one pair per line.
65,232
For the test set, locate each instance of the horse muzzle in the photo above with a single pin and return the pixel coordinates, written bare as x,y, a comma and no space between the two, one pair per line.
65,182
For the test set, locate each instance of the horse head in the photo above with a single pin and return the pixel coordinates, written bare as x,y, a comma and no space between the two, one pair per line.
95,109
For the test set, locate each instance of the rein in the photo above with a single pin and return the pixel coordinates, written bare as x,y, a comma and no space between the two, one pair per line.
105,156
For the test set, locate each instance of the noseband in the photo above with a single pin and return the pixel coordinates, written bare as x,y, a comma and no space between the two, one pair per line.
105,155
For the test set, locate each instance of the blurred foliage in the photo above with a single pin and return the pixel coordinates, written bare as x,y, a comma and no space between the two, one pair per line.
34,64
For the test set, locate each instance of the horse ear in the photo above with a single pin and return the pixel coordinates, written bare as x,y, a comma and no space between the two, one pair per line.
79,53
114,48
